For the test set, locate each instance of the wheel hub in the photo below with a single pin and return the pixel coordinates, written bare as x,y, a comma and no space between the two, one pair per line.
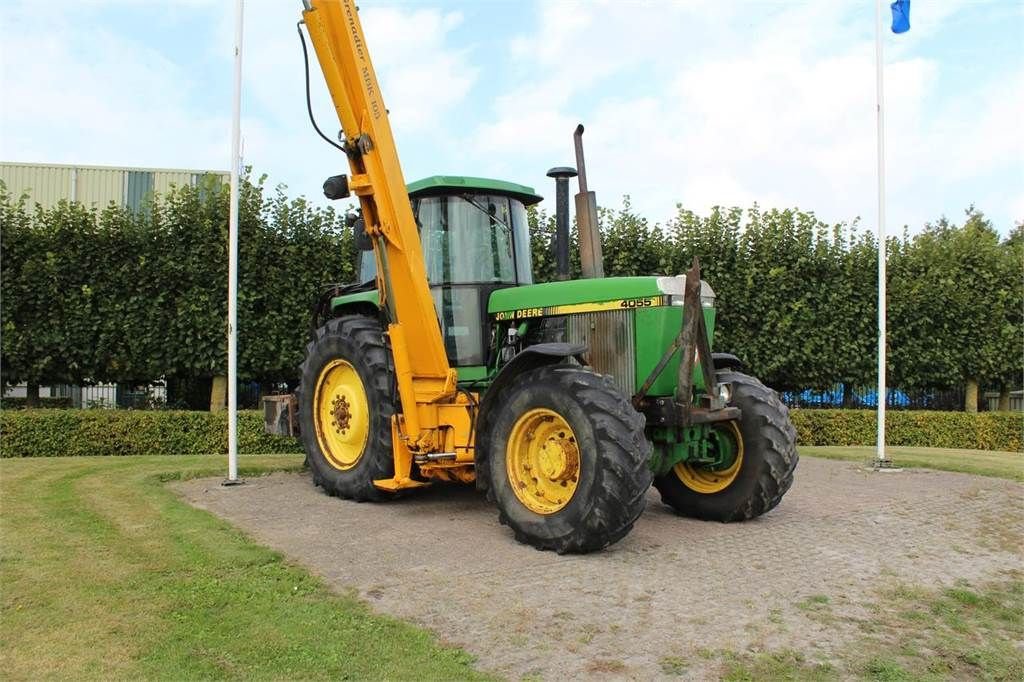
724,467
340,415
559,458
543,461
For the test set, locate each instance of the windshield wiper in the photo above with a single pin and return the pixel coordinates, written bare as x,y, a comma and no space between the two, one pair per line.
469,199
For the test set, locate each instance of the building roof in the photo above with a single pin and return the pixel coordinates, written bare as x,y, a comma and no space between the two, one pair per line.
446,184
83,166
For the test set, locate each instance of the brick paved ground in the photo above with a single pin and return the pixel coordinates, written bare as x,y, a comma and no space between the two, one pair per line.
672,588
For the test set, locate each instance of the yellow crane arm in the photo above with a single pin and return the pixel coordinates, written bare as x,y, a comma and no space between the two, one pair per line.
421,364
435,416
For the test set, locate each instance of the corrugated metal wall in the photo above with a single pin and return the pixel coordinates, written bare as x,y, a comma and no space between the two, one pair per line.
163,180
98,186
44,184
138,186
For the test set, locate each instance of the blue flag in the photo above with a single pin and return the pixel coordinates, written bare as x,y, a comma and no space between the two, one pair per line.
900,16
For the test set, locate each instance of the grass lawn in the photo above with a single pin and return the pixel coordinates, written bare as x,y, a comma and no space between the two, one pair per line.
106,574
910,634
981,462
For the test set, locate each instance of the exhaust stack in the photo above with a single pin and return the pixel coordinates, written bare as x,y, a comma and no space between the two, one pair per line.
561,174
591,259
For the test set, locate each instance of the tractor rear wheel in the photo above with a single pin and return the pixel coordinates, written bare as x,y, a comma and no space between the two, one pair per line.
345,407
762,460
567,459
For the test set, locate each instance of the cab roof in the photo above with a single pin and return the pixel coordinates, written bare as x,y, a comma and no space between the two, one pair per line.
447,184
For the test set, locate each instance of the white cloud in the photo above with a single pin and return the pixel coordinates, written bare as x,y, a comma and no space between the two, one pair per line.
76,91
704,102
414,61
94,97
426,77
777,107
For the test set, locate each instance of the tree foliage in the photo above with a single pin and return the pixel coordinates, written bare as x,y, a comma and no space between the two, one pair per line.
115,295
958,302
797,297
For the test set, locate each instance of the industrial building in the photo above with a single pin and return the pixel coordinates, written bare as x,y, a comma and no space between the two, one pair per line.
47,184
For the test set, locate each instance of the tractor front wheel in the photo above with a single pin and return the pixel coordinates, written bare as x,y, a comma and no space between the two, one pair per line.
345,407
761,449
567,459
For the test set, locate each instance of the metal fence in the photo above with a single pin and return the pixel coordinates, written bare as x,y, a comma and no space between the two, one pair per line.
149,396
112,396
842,396
157,395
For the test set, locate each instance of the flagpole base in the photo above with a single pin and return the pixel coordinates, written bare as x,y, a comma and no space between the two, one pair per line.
883,466
227,482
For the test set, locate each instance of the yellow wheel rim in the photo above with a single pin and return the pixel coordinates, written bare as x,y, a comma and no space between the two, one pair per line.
709,481
341,414
543,461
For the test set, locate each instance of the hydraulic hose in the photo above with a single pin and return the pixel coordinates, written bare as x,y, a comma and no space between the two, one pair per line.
309,103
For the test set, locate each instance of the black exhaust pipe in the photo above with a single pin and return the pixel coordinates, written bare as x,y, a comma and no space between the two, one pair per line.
591,260
561,174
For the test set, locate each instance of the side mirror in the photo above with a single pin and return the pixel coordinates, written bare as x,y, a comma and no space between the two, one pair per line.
336,187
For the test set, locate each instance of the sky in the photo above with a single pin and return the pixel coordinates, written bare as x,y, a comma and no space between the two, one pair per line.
704,103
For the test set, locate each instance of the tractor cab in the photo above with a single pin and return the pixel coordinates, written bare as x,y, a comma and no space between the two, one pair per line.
475,239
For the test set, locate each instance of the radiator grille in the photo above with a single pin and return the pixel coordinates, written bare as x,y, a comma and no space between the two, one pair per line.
609,335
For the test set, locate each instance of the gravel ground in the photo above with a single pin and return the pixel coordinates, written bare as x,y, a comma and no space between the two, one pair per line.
672,588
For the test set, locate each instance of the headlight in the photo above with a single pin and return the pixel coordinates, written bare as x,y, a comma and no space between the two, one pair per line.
674,286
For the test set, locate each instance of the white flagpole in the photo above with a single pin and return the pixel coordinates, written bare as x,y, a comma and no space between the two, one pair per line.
233,255
880,95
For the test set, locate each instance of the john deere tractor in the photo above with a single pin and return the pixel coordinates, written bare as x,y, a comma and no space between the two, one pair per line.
562,401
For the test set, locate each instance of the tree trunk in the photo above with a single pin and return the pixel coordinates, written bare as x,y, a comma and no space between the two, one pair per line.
32,395
1004,398
219,394
971,396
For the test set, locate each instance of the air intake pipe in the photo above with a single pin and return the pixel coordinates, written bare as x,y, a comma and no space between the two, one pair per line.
561,174
591,259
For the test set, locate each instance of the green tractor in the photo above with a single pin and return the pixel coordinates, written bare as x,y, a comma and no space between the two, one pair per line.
562,401
661,407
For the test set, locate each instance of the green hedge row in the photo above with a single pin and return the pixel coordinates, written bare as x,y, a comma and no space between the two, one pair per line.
916,428
75,433
71,433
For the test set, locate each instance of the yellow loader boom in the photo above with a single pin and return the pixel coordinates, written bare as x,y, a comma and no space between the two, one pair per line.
434,415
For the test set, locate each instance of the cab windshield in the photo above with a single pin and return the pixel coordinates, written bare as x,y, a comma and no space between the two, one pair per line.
472,245
470,239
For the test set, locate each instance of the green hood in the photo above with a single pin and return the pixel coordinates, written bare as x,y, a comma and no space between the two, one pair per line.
572,292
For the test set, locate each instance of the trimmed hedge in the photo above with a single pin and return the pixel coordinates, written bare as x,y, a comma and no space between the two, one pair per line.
73,433
76,433
915,428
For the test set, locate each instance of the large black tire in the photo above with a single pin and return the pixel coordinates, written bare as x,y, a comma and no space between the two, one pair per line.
359,341
766,471
613,474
